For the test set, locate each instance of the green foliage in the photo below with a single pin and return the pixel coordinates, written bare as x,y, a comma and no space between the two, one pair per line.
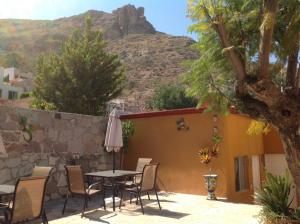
25,95
82,78
211,77
6,79
127,131
171,97
13,59
274,198
26,129
258,127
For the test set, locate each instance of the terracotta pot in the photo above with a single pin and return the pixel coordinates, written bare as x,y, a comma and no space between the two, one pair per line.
211,185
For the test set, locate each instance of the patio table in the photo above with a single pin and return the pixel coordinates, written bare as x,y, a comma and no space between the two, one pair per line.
112,175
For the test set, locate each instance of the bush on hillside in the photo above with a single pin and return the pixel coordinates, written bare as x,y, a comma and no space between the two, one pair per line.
167,97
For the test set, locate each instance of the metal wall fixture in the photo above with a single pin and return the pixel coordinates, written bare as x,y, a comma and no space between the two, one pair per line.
181,125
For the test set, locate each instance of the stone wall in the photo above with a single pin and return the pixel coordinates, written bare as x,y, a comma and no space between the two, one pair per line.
32,137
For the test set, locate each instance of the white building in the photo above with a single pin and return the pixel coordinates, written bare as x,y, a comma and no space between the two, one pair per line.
8,78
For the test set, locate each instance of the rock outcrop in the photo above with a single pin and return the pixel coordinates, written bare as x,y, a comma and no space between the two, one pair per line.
131,20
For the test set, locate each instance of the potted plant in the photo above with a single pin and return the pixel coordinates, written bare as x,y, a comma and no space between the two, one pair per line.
206,154
274,198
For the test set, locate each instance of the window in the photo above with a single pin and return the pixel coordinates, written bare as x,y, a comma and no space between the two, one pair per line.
241,169
12,95
0,93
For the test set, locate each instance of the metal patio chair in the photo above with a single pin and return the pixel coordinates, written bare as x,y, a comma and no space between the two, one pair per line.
147,184
28,202
139,167
41,171
76,187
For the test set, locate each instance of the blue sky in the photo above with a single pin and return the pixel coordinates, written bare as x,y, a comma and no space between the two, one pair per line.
168,16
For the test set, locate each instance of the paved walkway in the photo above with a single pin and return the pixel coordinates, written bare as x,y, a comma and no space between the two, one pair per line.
176,208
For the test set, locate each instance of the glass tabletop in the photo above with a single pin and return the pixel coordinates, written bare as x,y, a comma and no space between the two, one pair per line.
112,174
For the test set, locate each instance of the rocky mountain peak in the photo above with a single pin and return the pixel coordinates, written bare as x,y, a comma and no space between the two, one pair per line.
131,20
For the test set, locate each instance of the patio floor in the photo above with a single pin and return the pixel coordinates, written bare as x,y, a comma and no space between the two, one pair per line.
176,208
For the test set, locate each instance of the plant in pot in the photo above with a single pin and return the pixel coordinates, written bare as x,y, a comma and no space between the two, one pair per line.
274,198
127,132
206,154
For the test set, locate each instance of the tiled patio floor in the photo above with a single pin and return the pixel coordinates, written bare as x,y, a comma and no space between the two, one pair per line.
176,208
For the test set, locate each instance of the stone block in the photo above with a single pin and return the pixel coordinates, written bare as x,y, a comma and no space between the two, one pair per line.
14,147
62,191
32,147
3,155
51,186
60,147
43,162
60,167
53,134
39,136
65,135
10,136
44,156
2,164
13,162
55,195
9,126
102,167
25,156
33,158
26,170
75,146
62,181
5,175
53,160
96,130
14,172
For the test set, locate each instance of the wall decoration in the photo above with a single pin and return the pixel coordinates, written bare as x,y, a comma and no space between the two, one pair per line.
181,125
206,153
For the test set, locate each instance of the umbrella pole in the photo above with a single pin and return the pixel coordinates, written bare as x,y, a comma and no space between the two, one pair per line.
114,161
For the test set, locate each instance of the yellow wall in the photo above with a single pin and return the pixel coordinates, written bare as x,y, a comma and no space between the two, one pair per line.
180,169
272,143
239,143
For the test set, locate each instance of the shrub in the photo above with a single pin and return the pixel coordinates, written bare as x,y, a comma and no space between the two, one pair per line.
274,198
128,131
24,95
168,97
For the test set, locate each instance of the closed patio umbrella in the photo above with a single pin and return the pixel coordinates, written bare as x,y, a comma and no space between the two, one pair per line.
113,138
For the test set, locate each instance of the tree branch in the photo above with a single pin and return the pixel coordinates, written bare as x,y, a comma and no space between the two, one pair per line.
266,31
297,79
236,61
291,74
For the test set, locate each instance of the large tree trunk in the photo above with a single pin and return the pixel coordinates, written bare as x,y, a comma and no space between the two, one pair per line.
264,100
292,153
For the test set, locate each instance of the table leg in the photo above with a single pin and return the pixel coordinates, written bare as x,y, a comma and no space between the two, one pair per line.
114,192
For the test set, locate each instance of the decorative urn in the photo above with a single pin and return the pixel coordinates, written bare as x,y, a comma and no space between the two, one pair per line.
211,184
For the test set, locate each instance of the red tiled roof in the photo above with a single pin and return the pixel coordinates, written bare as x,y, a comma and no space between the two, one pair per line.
163,113
232,110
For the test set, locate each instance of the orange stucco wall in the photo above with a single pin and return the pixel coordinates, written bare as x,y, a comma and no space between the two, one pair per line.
180,169
272,143
239,143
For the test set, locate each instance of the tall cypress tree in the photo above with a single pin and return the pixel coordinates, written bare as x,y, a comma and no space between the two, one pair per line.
82,78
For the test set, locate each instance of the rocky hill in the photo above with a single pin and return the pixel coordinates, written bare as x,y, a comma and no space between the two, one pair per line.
150,57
